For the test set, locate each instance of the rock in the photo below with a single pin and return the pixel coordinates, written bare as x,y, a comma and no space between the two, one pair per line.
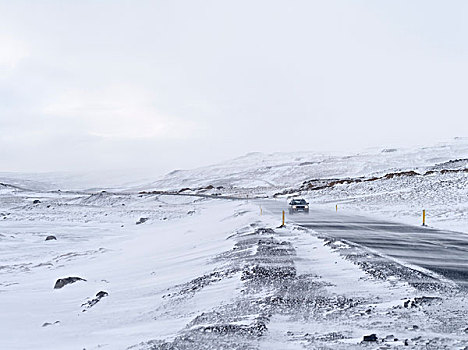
90,303
62,282
46,324
257,328
419,301
191,212
36,201
51,238
102,294
371,337
142,220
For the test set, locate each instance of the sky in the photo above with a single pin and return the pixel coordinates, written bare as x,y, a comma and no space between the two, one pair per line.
163,85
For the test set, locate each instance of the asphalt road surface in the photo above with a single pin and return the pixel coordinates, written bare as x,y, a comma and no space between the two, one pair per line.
443,252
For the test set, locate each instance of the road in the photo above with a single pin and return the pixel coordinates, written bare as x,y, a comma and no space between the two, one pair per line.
441,251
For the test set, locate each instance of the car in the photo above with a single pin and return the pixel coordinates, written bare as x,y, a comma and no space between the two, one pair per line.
298,204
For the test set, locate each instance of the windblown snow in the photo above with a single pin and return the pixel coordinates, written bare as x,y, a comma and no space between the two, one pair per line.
191,262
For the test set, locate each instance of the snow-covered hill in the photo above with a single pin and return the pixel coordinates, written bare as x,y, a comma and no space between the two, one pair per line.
280,170
391,183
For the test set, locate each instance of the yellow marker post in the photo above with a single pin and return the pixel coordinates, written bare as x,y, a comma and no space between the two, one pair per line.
336,207
424,217
261,211
283,219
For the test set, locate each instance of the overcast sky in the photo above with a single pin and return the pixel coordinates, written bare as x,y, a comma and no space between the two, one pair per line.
92,85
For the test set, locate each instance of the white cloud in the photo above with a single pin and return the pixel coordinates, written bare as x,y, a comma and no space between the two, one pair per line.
119,113
198,83
11,52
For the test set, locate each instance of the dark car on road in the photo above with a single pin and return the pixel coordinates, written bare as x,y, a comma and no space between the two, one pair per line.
297,205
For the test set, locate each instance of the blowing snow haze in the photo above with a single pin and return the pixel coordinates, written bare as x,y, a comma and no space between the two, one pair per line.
157,85
233,175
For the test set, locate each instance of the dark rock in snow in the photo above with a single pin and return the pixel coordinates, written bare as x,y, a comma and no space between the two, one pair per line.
92,302
142,220
419,301
400,174
46,324
390,337
62,282
51,238
101,294
371,337
36,201
256,329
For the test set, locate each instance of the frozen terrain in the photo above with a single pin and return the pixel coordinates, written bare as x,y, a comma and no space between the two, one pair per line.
390,183
137,268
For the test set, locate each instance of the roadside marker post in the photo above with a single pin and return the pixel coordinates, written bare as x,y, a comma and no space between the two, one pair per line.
261,211
424,217
336,207
283,219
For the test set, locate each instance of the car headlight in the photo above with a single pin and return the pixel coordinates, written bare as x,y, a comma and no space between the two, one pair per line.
307,207
294,206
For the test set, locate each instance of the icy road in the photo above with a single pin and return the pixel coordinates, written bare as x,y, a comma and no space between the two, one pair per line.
442,252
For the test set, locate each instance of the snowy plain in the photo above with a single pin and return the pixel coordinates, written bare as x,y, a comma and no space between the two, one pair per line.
212,273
